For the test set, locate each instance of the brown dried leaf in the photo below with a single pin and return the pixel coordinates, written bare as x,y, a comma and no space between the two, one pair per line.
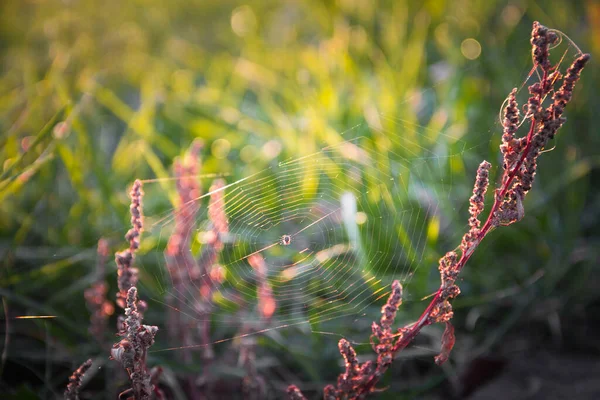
448,340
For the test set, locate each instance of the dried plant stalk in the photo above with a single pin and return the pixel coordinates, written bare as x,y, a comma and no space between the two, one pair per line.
254,385
95,296
127,273
266,300
180,261
131,351
209,273
188,274
72,391
520,165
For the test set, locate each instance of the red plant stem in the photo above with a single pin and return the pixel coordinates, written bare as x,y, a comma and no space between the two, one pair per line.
412,330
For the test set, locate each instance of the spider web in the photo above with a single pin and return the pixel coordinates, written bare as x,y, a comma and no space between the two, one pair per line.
332,228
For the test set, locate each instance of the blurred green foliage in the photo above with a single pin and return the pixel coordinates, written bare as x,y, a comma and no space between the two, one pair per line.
134,83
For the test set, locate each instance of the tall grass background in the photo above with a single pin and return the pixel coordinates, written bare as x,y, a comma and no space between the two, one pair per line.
134,83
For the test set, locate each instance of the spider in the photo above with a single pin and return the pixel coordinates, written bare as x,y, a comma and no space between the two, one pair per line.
286,240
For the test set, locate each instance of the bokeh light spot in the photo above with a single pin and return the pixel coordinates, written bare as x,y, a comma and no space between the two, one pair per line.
511,15
61,130
220,148
361,218
271,149
243,21
470,48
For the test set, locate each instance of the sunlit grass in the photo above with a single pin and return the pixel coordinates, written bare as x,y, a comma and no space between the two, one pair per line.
137,82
